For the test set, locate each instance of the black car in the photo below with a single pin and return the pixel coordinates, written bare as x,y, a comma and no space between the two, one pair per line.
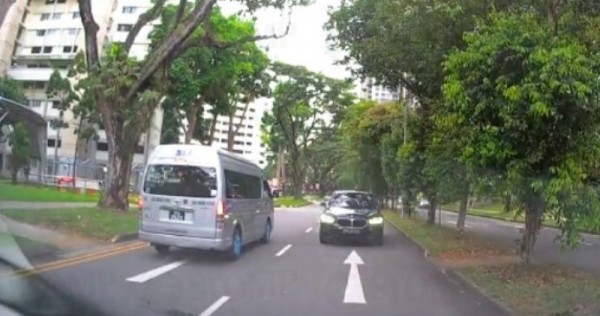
352,215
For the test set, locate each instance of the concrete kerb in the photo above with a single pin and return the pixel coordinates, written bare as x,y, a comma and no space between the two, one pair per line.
449,272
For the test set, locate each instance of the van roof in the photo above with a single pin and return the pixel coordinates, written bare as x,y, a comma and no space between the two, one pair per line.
198,150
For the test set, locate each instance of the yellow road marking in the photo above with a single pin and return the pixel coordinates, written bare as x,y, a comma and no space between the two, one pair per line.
75,260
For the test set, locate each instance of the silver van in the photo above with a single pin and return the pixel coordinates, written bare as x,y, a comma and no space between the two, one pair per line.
195,196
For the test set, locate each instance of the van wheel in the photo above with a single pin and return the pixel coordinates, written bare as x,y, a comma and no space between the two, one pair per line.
266,238
162,249
235,251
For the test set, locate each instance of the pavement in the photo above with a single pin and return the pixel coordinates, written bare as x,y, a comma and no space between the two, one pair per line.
292,275
585,257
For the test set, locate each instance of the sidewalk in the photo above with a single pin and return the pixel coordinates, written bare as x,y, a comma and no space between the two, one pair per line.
7,205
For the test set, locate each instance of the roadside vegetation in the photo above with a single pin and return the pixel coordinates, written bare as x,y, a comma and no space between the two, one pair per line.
36,193
89,222
290,201
536,290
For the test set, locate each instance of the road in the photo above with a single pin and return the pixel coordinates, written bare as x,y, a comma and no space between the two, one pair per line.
292,275
585,257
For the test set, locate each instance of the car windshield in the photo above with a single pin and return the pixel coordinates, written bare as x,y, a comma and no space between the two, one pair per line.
353,200
175,180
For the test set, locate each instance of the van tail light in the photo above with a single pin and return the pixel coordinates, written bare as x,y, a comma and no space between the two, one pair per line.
221,213
140,202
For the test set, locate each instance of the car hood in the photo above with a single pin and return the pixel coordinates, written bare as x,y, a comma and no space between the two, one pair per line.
338,211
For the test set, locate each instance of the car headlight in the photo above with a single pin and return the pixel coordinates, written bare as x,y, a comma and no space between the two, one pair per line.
376,220
327,219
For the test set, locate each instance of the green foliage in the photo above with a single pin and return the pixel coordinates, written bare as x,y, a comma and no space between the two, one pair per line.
20,149
12,89
59,88
301,97
532,105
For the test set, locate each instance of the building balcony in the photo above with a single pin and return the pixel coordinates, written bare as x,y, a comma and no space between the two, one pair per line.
32,74
62,56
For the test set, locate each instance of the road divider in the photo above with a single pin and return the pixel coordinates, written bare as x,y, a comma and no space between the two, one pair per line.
50,266
216,305
282,251
149,275
354,293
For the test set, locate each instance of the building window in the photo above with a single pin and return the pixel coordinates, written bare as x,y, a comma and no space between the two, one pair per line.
101,146
237,151
252,110
261,162
52,143
47,49
35,103
36,49
45,16
56,104
124,27
51,32
56,16
249,143
73,31
129,9
40,32
67,49
250,126
249,135
76,15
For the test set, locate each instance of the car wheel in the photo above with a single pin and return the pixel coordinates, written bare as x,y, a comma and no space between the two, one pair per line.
322,239
162,249
235,251
266,238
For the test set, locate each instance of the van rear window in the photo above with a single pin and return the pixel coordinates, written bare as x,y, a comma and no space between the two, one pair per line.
177,180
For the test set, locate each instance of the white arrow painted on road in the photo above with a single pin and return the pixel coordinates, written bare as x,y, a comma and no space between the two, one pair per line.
354,291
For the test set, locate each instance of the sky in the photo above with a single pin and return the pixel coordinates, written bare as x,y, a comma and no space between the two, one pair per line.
305,44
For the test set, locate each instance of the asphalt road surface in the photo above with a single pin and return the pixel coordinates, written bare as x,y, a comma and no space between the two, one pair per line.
585,257
292,275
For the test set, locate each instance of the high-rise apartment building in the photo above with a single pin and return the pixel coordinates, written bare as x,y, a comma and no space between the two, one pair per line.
39,36
248,139
368,89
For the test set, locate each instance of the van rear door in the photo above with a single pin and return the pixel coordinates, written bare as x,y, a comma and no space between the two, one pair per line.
180,200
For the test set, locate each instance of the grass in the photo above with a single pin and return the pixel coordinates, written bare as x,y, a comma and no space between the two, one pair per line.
290,201
39,193
90,222
30,193
533,290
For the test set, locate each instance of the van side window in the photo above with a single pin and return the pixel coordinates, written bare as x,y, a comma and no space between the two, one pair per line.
242,186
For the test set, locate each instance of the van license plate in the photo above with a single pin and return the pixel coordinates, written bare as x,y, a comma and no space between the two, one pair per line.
177,216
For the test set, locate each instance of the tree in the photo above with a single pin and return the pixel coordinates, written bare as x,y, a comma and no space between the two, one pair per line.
10,89
532,105
404,43
20,150
300,100
126,91
59,88
322,156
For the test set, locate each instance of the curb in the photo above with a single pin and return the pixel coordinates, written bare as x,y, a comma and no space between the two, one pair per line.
124,237
452,273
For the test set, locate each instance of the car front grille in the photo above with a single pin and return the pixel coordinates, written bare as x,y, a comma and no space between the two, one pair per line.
352,222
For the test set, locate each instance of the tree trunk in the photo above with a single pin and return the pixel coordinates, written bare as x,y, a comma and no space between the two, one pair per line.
13,178
213,128
192,118
296,175
507,202
534,209
230,133
116,185
462,210
77,141
431,211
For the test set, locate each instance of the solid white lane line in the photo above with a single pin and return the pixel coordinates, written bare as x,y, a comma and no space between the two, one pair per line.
282,251
212,308
308,230
149,275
